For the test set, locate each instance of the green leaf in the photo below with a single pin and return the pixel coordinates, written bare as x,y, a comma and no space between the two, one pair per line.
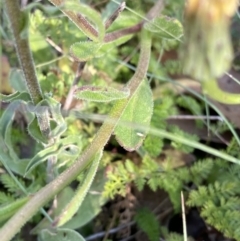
91,205
57,149
23,96
89,209
10,184
55,110
7,153
148,223
165,27
77,200
7,210
138,112
107,47
17,80
91,15
50,10
153,145
35,132
60,235
62,201
100,94
57,124
84,51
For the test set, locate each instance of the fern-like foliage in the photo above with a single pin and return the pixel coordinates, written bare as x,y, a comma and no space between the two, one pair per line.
219,200
179,146
5,198
155,175
171,236
9,183
148,223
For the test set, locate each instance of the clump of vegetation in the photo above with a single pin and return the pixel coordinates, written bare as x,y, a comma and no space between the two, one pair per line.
90,119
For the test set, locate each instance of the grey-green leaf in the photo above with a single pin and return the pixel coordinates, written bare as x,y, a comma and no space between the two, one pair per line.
35,132
7,154
7,210
135,120
100,94
22,96
165,27
58,126
91,205
55,150
84,51
92,15
60,235
80,194
17,81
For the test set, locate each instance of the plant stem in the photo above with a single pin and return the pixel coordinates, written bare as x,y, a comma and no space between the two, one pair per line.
17,21
49,191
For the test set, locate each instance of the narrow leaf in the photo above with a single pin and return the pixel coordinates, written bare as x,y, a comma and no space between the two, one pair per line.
91,205
58,125
35,132
165,27
100,94
7,153
107,47
6,126
62,200
17,81
91,15
84,51
55,150
55,109
60,235
138,112
7,210
77,200
22,96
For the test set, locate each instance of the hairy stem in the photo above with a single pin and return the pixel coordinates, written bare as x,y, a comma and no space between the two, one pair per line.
17,21
48,192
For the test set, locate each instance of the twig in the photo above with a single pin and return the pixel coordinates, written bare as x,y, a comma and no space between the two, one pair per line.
78,75
110,225
115,15
184,217
194,117
58,48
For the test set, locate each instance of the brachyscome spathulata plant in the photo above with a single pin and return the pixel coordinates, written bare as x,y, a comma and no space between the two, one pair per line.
93,152
121,116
